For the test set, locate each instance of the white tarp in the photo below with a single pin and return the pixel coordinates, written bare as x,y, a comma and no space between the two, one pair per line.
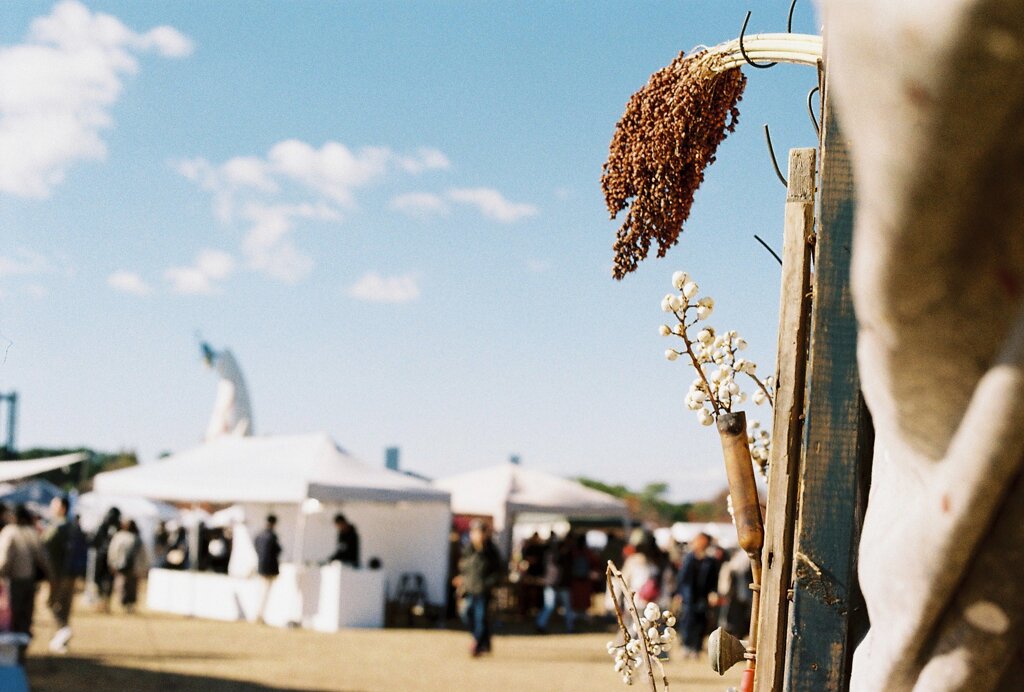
13,470
274,469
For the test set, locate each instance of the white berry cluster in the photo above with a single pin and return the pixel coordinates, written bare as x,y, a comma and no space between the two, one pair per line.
656,634
760,442
712,354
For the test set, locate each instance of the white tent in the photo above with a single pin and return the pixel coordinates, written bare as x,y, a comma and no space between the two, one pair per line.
91,507
13,470
401,520
504,491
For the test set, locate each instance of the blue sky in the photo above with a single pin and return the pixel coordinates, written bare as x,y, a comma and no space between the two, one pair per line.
390,212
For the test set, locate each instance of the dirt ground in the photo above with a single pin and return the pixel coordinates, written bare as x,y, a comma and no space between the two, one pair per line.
151,651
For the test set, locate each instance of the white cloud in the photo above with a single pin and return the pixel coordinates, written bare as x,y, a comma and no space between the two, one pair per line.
25,263
374,288
57,89
419,204
268,246
426,159
202,278
492,204
129,282
538,266
295,181
332,170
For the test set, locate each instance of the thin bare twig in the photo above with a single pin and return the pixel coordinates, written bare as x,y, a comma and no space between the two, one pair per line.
613,573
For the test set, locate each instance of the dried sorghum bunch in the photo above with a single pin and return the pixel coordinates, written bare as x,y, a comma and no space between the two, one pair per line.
664,141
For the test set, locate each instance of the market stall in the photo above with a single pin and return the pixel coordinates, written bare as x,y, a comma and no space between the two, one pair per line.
508,491
304,480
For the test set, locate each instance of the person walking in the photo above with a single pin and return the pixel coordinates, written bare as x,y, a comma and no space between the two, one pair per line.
557,574
127,561
695,585
582,568
642,569
268,553
58,540
347,549
22,562
479,573
102,576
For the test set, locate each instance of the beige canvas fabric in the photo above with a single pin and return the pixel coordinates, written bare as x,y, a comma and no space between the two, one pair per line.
931,98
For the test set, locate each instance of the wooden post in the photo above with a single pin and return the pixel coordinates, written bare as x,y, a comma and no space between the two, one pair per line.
838,439
787,428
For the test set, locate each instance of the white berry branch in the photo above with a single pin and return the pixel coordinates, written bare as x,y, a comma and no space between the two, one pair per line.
714,357
655,633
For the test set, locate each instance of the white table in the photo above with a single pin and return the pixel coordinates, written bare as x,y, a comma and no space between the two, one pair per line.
325,598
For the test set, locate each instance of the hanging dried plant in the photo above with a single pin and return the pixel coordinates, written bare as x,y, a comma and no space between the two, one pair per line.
664,141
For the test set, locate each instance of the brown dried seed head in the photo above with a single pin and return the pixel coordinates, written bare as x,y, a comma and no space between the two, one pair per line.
661,146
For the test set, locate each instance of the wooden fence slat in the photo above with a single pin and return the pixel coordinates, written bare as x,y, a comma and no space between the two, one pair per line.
794,319
837,446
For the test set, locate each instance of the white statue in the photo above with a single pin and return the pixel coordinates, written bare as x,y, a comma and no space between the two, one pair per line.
232,414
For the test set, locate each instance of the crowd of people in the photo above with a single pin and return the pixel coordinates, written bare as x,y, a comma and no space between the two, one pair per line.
50,550
53,549
703,584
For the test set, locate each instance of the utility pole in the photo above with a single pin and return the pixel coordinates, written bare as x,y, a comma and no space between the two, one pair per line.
11,399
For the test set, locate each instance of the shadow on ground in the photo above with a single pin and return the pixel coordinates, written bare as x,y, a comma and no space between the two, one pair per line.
71,673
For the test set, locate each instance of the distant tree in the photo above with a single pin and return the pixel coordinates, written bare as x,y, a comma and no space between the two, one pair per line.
715,509
649,503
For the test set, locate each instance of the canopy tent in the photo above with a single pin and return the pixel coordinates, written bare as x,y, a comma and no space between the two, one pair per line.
270,470
303,479
13,470
507,490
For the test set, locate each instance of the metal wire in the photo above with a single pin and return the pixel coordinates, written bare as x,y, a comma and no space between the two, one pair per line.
775,163
768,248
810,110
743,30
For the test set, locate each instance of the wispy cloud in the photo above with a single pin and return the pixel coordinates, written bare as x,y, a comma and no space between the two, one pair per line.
295,181
492,204
129,282
57,89
374,288
204,276
426,159
25,263
538,266
333,170
268,246
420,204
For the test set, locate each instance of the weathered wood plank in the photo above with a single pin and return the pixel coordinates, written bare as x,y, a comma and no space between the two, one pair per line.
787,428
837,446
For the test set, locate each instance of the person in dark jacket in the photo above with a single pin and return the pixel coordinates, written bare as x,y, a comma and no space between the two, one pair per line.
268,552
479,573
102,576
347,550
696,582
58,541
